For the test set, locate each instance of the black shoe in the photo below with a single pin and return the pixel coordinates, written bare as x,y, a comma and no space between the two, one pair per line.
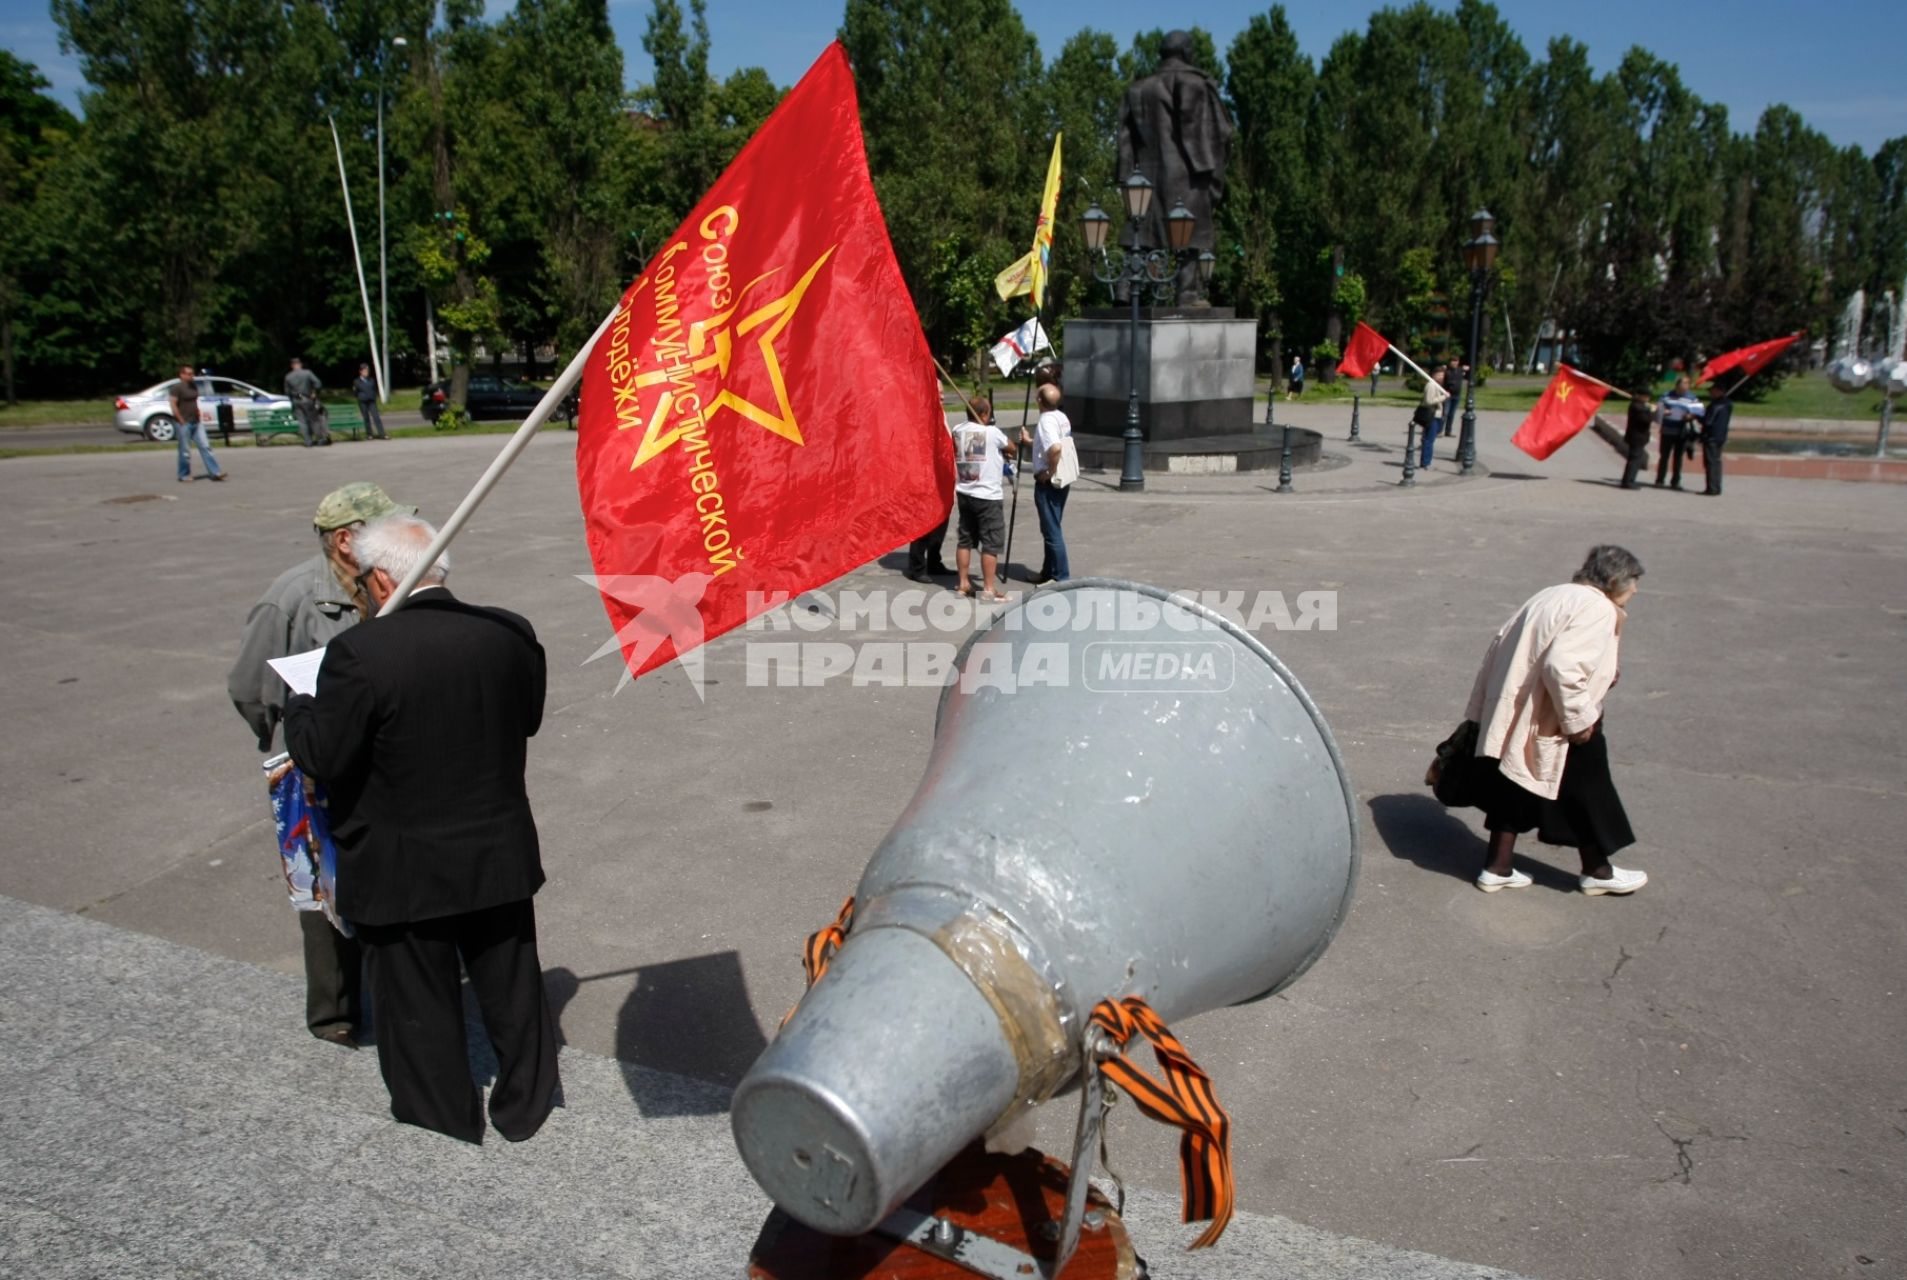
1042,580
340,1036
917,575
939,569
1630,486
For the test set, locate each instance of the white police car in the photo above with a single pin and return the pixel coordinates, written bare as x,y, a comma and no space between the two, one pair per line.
148,413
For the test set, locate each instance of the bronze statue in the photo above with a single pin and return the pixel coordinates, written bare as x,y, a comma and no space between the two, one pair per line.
1173,127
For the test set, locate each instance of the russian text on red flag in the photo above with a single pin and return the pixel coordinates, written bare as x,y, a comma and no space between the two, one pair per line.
762,414
1749,360
1565,407
1361,354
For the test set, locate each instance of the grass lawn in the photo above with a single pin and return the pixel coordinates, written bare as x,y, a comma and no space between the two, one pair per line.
49,413
133,445
1810,395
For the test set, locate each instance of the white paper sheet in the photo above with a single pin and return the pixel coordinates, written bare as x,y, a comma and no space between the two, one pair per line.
299,670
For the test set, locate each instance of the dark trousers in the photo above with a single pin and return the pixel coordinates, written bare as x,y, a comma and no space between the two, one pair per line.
1638,459
1425,456
332,989
1673,439
1712,463
311,425
923,554
420,1020
1050,502
373,420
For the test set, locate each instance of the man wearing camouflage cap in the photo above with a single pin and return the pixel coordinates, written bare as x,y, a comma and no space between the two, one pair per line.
301,611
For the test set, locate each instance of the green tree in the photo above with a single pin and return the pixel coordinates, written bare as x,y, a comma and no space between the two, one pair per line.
947,90
1270,214
33,127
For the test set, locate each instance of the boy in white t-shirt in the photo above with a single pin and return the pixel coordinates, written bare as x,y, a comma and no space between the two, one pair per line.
981,451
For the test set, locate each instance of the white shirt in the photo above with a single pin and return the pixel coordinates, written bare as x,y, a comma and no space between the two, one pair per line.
978,462
1054,427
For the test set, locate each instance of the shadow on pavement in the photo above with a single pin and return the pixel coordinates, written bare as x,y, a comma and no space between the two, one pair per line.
1415,828
685,1017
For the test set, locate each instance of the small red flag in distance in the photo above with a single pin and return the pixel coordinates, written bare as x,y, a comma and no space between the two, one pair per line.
1565,407
762,414
1748,360
1361,354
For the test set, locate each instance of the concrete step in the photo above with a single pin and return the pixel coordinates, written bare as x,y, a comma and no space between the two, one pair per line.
166,1115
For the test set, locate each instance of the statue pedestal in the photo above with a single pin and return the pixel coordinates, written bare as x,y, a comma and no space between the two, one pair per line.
1195,372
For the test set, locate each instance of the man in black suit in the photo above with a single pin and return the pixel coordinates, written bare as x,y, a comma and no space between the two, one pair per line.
1714,440
419,732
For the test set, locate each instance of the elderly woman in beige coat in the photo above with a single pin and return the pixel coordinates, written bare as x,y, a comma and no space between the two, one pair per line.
1538,704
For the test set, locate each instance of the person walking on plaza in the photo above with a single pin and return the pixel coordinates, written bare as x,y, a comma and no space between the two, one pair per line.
1635,436
1294,381
1681,411
420,732
1049,488
302,385
1454,374
1538,707
1714,440
981,452
184,400
308,606
365,389
1431,417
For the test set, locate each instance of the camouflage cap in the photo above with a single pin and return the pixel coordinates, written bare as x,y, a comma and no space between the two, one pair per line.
359,501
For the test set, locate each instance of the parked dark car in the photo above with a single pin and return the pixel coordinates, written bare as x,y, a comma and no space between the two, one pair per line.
488,397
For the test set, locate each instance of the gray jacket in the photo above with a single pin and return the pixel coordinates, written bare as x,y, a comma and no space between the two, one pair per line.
302,610
300,383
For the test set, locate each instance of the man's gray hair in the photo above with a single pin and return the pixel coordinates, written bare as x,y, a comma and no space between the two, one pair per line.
395,544
1609,569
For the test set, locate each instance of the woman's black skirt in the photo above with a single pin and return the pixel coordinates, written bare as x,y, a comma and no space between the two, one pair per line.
1586,812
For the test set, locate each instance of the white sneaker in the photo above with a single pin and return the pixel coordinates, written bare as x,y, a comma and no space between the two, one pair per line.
1490,881
1619,881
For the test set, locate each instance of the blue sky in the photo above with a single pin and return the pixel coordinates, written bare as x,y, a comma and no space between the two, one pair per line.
1838,64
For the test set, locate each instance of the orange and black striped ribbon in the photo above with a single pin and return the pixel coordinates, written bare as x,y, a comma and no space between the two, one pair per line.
1185,1099
823,944
821,947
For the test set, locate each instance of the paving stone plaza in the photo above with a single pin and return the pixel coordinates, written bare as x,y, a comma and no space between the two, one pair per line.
1702,1080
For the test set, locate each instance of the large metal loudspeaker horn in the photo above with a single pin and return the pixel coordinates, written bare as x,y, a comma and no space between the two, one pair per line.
1128,795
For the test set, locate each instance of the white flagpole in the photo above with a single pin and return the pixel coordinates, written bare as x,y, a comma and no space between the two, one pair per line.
1412,363
488,481
350,220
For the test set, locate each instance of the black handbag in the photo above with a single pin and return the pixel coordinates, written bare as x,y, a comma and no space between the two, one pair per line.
1456,775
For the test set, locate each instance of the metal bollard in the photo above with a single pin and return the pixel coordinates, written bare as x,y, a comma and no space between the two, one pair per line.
1410,453
1354,418
1284,462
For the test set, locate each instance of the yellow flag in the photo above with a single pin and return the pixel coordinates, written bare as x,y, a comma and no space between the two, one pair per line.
1043,234
1016,279
1028,273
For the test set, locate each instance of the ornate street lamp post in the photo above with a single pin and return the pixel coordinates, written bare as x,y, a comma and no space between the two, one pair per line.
1140,270
1479,254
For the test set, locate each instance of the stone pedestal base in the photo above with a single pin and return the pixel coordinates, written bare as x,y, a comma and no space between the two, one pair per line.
1195,372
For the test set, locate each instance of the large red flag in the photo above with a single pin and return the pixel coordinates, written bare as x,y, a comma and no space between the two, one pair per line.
1750,360
762,414
1565,407
1366,347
